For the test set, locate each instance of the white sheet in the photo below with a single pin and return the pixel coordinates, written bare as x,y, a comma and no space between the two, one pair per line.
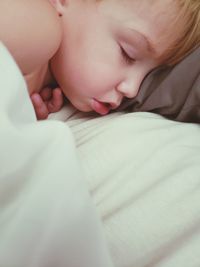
143,172
47,218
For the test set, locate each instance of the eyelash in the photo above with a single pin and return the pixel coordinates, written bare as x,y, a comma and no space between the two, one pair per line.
126,57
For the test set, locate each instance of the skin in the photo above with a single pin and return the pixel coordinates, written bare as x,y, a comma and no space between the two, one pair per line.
97,52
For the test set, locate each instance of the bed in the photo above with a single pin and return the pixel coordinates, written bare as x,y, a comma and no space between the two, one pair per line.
143,174
139,172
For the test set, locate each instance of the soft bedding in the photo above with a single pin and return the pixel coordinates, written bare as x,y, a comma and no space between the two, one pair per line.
47,218
143,173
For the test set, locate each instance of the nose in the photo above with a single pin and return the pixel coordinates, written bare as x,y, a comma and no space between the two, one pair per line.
129,87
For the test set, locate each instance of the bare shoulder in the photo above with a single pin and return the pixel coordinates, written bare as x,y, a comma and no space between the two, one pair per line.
31,31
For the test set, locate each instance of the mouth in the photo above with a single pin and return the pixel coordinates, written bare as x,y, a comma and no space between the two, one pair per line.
101,107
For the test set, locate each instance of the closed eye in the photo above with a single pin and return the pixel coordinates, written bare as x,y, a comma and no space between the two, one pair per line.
127,58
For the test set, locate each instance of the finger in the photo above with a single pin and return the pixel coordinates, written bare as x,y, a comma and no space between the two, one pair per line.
56,101
46,93
39,106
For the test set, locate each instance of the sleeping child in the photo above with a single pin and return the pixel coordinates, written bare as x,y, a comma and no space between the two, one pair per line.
95,53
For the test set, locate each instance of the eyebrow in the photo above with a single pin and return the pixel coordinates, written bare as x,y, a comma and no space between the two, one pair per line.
141,36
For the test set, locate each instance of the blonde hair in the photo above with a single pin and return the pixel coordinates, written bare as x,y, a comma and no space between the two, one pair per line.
187,25
189,16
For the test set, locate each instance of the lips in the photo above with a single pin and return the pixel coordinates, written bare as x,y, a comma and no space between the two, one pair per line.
100,107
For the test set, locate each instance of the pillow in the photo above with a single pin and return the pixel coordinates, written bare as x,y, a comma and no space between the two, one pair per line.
172,92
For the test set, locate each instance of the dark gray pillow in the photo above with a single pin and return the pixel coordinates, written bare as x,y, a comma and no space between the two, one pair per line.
171,92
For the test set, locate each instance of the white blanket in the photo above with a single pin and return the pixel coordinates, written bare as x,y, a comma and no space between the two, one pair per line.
143,172
47,218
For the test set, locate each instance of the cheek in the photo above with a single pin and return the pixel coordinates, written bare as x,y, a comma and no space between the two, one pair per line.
89,77
80,70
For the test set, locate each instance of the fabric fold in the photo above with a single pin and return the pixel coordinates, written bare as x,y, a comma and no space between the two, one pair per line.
47,218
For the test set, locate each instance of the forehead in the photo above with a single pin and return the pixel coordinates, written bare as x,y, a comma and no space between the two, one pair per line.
155,19
140,6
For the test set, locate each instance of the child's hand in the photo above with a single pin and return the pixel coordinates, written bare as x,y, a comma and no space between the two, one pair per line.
47,101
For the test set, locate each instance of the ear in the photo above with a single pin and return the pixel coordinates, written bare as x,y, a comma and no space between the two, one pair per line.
59,5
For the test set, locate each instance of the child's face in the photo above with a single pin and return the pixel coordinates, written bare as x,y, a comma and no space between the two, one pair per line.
105,54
